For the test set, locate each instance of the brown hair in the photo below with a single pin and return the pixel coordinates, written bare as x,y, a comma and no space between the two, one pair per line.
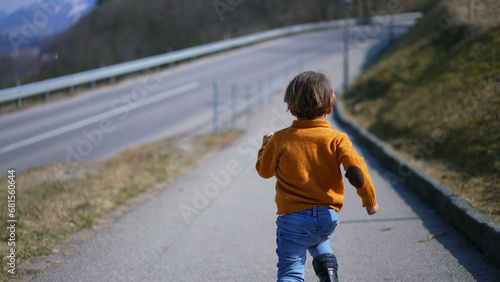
309,95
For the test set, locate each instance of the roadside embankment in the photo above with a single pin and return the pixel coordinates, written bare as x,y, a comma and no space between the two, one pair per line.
428,108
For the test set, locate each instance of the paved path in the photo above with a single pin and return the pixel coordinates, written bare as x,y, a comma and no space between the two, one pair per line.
216,223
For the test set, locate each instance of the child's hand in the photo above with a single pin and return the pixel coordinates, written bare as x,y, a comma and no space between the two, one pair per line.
267,137
372,210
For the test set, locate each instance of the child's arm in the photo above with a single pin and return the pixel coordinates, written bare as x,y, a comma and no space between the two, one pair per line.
357,174
266,159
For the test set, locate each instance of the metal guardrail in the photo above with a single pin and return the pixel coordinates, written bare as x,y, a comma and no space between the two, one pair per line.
111,72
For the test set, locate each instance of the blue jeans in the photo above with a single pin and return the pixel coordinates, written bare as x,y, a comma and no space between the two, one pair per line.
297,232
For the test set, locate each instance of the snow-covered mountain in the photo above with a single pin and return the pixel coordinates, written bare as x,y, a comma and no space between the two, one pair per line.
29,26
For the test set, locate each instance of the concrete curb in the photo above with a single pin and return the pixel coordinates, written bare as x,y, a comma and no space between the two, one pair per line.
477,227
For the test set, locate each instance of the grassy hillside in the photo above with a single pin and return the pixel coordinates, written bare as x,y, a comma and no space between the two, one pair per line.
434,96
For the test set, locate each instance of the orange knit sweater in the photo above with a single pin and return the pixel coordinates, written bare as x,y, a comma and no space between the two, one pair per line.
306,159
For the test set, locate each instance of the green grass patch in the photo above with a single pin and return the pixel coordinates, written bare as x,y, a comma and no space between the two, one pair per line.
434,96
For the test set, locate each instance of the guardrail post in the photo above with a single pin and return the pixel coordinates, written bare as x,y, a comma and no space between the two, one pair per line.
391,30
216,89
47,96
300,65
470,7
248,96
260,90
270,80
234,104
19,103
72,90
285,76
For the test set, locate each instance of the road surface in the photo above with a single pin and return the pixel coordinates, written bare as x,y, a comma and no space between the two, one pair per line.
102,122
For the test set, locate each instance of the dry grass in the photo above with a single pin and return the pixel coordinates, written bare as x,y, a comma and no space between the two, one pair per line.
58,200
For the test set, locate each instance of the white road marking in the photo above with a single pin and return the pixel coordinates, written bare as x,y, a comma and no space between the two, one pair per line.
99,117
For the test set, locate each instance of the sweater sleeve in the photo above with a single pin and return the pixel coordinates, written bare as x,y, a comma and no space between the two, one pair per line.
356,171
267,160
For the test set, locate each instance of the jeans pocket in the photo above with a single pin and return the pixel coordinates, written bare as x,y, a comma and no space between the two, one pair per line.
328,225
291,244
292,238
327,231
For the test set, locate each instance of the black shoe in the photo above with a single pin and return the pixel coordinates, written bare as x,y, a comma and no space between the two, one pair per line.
325,266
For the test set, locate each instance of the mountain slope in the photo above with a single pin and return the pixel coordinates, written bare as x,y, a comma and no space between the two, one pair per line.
31,26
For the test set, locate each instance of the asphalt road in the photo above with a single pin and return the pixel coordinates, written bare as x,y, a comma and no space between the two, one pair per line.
216,223
99,123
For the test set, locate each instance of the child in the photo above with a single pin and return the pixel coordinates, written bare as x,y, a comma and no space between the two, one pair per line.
305,158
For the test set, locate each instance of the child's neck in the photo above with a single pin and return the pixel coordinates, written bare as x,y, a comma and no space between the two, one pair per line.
323,117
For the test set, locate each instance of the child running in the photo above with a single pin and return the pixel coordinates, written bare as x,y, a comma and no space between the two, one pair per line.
305,158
